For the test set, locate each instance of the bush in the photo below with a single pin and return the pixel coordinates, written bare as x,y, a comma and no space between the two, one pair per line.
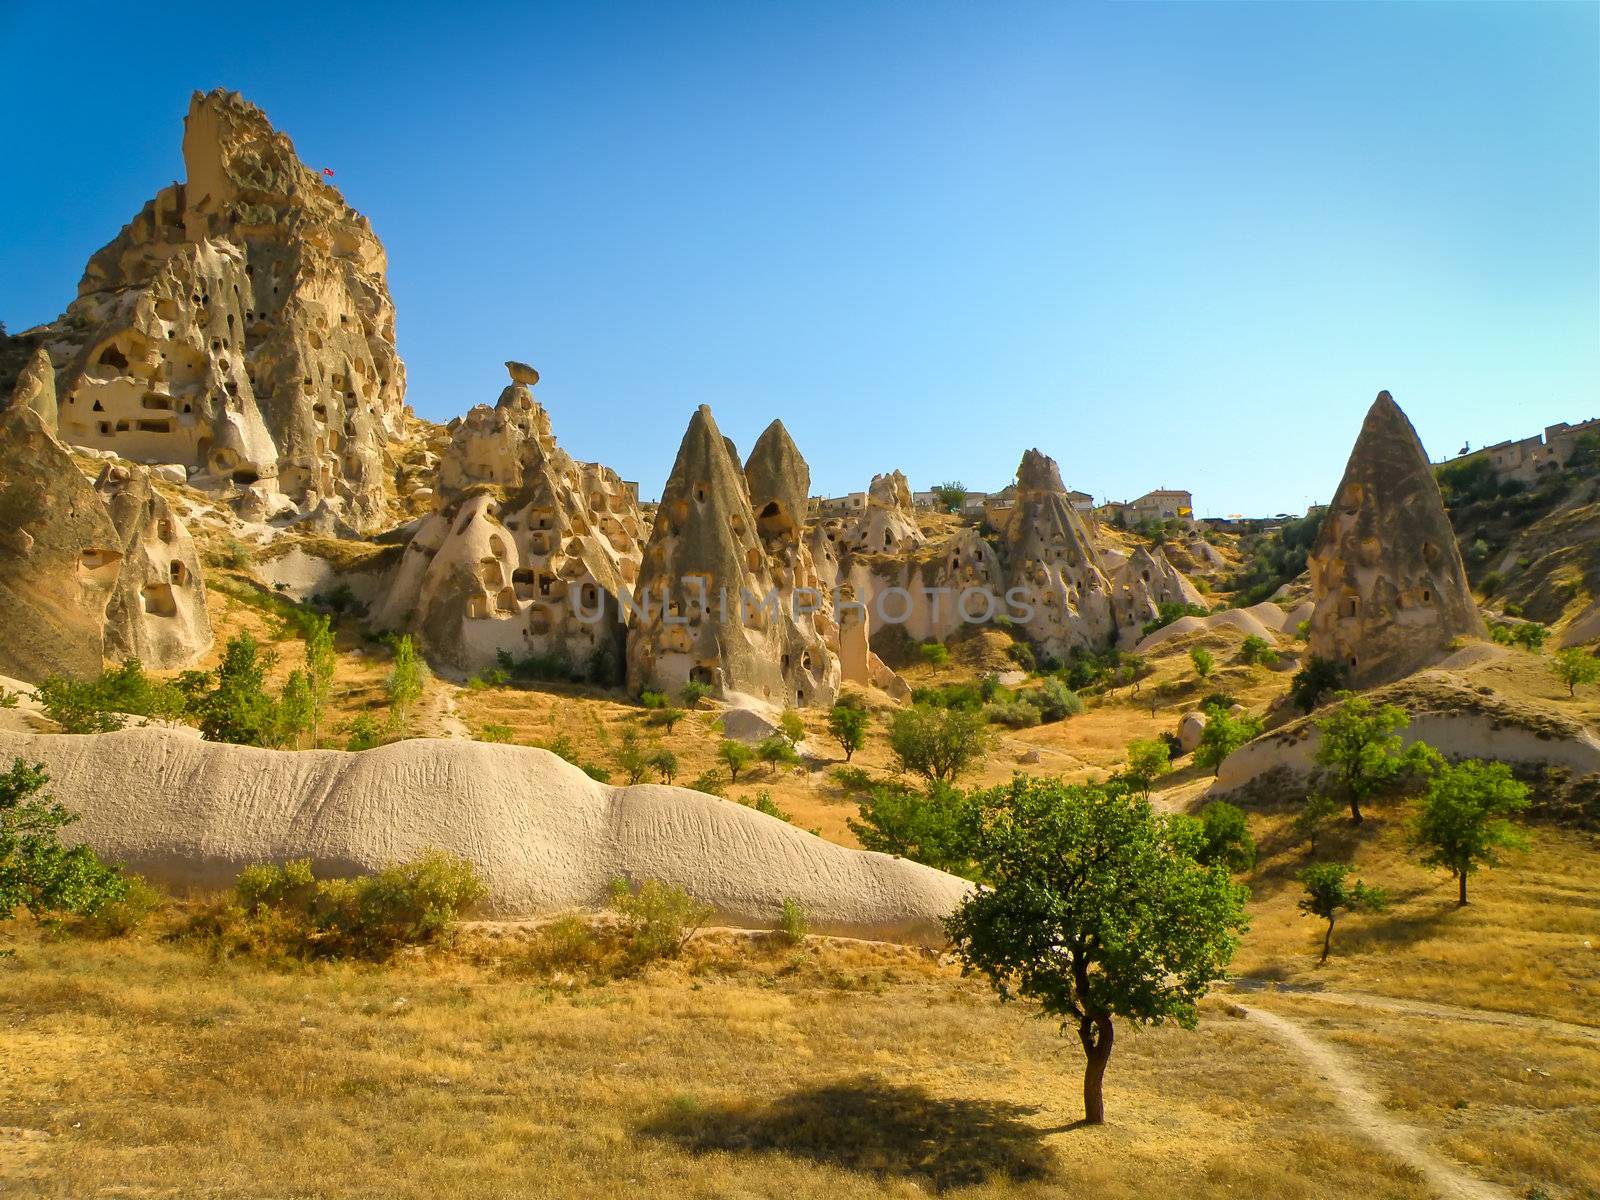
363,733
693,692
660,918
665,763
370,916
935,654
1256,649
1022,654
104,704
666,715
848,725
631,757
122,916
1316,679
951,495
777,751
1014,714
494,732
1202,660
852,779
791,726
736,756
793,922
937,745
763,802
1147,762
653,699
37,872
1226,837
1223,735
1054,700
710,781
936,827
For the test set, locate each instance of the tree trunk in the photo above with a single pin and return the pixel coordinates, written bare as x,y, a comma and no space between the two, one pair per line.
1462,879
1355,811
1327,940
1095,1033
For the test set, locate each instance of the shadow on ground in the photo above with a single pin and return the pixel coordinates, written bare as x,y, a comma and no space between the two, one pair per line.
868,1125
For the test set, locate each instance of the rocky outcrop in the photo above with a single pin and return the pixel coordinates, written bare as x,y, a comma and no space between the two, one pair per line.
157,609
240,325
888,524
728,591
528,554
1390,591
36,389
542,834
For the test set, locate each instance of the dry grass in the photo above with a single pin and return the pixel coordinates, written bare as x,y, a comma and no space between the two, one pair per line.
837,1070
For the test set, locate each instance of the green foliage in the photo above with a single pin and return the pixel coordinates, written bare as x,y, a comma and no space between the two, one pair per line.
1223,735
493,731
660,918
565,748
1096,909
736,756
121,916
777,751
937,745
853,779
1257,650
234,555
1202,660
935,827
665,764
667,716
710,781
793,922
968,696
1463,822
1316,812
1279,558
1360,752
404,685
238,708
951,495
294,711
848,725
1530,635
693,692
1169,612
631,758
363,733
104,704
1014,714
321,659
1148,761
1022,654
1574,666
763,802
8,698
1329,891
1054,700
1315,680
1226,837
935,654
370,916
653,699
37,872
791,726
1468,482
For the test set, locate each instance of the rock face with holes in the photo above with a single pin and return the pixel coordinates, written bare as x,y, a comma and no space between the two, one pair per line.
728,592
157,609
60,556
241,325
1389,589
888,524
528,554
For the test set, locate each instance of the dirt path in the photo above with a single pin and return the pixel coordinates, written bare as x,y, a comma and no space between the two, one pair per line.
1448,1012
1364,1109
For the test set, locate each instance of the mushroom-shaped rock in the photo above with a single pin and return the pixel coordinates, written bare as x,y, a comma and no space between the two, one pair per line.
522,373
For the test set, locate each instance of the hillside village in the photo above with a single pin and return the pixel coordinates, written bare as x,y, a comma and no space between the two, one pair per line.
707,786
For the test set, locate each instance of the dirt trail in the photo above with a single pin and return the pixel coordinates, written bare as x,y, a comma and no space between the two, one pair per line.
1365,1111
1452,1012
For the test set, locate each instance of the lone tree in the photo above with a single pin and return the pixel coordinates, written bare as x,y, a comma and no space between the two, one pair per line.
1202,660
1098,910
405,681
848,725
1148,761
736,756
938,744
321,660
1329,892
1574,666
1360,752
1463,822
951,495
37,872
1223,735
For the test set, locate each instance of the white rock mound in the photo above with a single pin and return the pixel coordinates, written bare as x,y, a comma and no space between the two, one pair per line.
544,835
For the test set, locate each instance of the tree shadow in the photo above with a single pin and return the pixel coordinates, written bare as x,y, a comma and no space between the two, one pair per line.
874,1127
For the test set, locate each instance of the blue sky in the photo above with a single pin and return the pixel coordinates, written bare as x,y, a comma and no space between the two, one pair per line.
1170,245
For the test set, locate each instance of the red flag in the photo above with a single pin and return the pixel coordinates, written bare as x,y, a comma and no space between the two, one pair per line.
328,171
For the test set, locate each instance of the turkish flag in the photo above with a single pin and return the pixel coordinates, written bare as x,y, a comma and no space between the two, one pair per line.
328,171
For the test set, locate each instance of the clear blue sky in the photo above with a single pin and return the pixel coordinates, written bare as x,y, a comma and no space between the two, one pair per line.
1169,245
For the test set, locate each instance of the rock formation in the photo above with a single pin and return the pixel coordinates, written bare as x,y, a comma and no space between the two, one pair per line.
528,554
1386,575
36,389
888,525
157,609
728,594
241,326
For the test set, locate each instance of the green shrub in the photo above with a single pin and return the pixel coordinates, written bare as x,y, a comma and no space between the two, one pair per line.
736,756
710,781
1257,650
1169,612
693,692
763,802
1223,735
793,922
776,751
666,715
37,872
660,918
631,758
120,917
363,733
937,745
935,654
852,779
495,732
1202,660
104,704
792,726
1013,714
1227,838
653,699
1054,700
936,827
1316,679
665,764
1022,654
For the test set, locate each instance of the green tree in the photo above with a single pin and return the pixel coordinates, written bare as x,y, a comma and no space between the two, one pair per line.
935,827
938,744
776,751
1313,815
1574,666
667,716
37,872
632,759
1463,822
104,704
1202,660
951,495
238,708
1329,892
295,711
665,763
1315,680
848,725
736,756
1360,751
1256,649
1148,761
1225,837
791,726
693,692
1098,910
406,678
1223,735
320,662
